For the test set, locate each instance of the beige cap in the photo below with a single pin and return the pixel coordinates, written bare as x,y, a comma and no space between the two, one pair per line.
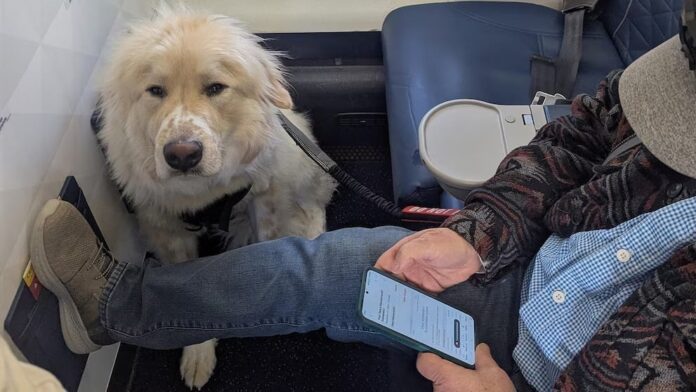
658,97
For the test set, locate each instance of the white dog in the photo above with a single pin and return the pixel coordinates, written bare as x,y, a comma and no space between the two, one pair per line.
190,106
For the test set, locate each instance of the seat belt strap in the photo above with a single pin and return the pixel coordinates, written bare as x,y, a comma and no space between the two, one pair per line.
558,75
568,59
626,145
543,75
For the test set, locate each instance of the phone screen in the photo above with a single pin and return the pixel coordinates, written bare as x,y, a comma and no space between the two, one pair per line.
408,312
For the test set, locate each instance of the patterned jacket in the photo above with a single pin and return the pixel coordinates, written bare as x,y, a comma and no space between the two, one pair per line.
560,184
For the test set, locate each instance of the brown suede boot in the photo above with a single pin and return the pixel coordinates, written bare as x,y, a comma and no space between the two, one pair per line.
73,263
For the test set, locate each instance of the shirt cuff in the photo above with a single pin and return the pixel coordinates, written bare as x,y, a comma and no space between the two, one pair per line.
482,268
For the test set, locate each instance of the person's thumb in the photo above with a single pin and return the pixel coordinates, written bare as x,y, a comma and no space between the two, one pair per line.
435,368
484,358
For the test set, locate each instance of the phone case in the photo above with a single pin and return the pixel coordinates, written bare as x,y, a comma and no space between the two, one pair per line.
405,340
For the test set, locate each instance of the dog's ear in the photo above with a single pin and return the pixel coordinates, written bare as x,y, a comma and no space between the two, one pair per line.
276,90
279,95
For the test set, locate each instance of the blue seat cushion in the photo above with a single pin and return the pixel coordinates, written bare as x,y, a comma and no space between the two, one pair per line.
449,201
479,50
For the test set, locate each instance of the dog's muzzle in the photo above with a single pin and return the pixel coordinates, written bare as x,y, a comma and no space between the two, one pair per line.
183,155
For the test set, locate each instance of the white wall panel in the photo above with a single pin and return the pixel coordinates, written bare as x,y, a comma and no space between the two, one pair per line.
28,19
21,51
50,51
68,30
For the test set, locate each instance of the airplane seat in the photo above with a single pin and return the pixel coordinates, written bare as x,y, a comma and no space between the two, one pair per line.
481,50
449,201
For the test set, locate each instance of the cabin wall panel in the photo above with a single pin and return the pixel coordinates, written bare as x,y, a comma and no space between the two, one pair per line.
50,57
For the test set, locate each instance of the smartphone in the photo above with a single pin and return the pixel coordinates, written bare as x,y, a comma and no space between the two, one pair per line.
417,319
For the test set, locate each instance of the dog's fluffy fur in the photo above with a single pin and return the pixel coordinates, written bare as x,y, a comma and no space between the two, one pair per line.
184,53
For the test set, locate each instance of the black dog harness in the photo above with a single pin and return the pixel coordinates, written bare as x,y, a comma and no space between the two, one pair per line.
216,215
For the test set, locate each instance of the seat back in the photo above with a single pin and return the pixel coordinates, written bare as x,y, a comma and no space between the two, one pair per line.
636,26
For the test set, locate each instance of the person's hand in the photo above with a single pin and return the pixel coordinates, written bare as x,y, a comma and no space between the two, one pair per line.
433,259
448,377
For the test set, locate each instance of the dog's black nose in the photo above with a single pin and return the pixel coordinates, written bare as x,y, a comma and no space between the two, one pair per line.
183,155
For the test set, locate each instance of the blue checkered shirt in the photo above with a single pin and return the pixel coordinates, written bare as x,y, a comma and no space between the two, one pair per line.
575,284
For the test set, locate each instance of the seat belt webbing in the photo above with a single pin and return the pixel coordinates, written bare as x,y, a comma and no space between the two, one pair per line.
558,75
626,145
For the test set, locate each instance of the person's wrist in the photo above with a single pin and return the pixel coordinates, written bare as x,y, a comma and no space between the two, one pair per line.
473,262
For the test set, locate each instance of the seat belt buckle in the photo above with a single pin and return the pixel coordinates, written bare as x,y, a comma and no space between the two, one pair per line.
542,98
543,59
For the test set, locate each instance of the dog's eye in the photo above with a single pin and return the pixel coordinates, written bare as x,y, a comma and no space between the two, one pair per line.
156,91
214,89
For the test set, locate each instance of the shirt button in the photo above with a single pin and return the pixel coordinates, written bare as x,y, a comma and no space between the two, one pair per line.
674,190
558,296
623,255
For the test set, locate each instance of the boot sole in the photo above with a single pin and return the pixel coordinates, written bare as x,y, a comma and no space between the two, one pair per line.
74,331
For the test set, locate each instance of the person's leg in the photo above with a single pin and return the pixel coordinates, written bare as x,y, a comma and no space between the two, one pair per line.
495,309
284,286
275,287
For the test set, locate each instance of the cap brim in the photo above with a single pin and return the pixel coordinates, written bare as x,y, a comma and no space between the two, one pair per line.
658,97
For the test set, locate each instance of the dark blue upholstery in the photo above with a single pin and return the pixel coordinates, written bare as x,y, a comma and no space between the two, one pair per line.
636,26
481,50
449,201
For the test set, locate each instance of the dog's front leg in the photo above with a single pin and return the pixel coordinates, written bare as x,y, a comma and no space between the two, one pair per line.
276,215
266,211
172,243
168,238
197,363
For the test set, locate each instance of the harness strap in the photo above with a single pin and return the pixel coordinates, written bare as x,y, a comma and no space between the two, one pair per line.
558,75
218,212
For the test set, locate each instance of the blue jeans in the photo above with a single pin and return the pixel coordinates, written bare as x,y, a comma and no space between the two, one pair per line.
280,287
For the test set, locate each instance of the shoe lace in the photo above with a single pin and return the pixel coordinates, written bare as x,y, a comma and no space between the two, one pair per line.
104,260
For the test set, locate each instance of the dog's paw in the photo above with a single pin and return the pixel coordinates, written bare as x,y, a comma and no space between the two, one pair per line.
197,364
